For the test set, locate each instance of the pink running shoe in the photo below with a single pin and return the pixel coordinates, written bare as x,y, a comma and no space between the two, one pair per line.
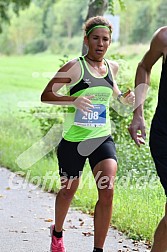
57,243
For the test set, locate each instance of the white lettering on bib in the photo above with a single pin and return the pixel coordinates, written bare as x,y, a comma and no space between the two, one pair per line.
95,118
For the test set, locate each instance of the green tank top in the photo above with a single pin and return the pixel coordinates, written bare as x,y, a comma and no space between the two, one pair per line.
79,127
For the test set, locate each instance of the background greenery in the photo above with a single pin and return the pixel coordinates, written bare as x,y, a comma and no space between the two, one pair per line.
52,25
32,48
138,195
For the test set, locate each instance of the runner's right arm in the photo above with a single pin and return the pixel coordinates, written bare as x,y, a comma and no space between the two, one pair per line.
157,49
68,74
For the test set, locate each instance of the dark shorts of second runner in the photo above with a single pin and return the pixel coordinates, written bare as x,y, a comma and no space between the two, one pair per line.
158,147
72,155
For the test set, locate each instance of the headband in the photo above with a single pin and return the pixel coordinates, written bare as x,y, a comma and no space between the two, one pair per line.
97,26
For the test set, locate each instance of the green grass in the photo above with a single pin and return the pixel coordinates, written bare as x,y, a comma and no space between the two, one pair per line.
137,209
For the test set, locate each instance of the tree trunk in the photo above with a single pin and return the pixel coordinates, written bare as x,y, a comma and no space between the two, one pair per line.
96,8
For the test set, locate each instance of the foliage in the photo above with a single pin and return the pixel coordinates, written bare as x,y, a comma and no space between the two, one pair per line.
111,6
16,5
68,45
51,22
24,29
50,121
120,115
49,116
141,29
134,20
69,18
59,22
138,195
6,44
129,157
161,17
96,8
35,46
99,7
47,6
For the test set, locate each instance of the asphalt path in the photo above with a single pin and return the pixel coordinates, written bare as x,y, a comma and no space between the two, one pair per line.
26,213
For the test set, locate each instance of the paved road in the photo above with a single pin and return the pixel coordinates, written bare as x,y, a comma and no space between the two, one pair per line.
26,214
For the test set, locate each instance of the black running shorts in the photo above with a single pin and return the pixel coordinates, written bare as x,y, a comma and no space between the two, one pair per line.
158,147
72,155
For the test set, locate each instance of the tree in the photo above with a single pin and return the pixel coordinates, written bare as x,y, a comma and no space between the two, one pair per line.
29,20
161,18
98,7
141,31
64,26
47,7
16,6
69,17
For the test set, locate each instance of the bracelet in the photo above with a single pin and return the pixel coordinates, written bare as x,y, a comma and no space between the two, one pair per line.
119,97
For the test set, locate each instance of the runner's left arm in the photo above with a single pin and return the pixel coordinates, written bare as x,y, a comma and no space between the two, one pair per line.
125,98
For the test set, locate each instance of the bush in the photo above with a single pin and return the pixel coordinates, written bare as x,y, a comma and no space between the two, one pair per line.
36,46
68,46
49,119
130,157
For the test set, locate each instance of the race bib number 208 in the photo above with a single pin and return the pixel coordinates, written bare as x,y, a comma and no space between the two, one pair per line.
95,118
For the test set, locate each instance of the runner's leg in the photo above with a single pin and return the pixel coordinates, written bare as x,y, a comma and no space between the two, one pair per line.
160,237
103,209
63,200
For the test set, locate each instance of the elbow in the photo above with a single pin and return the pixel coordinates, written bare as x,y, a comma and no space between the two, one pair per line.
141,66
144,68
43,98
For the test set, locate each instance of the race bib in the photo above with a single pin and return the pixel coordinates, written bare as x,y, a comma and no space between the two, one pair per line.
95,118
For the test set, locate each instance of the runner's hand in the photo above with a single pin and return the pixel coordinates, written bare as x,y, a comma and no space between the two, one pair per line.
84,103
138,124
129,98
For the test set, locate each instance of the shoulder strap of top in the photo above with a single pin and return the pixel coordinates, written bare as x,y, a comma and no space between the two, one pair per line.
110,73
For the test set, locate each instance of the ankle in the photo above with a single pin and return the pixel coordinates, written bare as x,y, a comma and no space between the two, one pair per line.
57,234
97,249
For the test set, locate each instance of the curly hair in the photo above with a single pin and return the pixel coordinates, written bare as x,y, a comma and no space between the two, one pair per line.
96,21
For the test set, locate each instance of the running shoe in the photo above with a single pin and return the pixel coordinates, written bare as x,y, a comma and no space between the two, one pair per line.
57,244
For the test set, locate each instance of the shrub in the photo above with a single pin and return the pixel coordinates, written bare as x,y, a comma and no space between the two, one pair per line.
36,46
73,44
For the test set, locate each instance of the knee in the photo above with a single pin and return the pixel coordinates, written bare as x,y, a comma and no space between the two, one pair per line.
67,194
165,217
106,197
165,220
